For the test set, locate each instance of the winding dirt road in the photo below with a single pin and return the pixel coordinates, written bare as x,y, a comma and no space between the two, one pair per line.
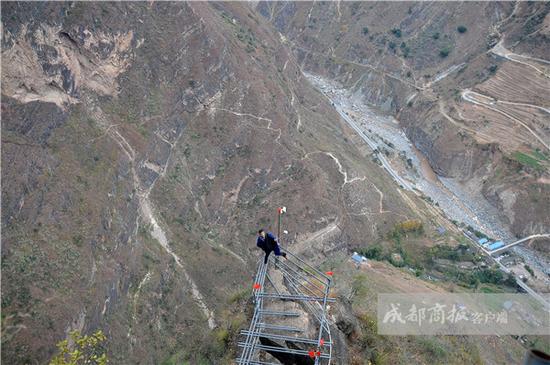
501,51
490,103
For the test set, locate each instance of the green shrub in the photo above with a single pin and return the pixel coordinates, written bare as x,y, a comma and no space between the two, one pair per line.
396,32
444,52
374,252
461,29
365,30
222,336
77,240
480,234
510,280
449,253
411,225
405,49
490,276
84,350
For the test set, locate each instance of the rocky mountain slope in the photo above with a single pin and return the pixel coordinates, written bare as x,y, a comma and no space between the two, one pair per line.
143,144
468,83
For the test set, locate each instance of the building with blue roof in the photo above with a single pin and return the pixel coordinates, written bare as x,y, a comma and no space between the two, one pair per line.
496,245
358,258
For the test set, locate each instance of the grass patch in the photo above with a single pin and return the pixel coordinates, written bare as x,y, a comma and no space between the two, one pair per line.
527,160
432,347
359,286
539,155
247,37
239,296
490,289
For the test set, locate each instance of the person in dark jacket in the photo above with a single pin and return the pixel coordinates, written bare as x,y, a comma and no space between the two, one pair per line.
269,243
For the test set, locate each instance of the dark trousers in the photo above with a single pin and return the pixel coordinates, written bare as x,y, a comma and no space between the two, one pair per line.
277,251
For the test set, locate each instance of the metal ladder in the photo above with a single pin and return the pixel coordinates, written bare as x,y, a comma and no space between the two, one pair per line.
303,285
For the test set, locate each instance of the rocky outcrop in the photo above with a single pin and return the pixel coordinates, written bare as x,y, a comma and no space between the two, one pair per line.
344,318
50,64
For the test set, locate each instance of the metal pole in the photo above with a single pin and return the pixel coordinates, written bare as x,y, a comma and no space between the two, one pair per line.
323,318
251,341
279,213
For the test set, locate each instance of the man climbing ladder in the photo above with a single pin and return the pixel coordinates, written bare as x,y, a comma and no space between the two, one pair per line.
268,243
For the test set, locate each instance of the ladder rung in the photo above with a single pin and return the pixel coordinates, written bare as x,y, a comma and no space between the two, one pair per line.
286,350
282,337
255,362
294,297
281,328
279,313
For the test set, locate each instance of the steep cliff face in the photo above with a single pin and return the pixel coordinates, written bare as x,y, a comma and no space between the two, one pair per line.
467,81
143,145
